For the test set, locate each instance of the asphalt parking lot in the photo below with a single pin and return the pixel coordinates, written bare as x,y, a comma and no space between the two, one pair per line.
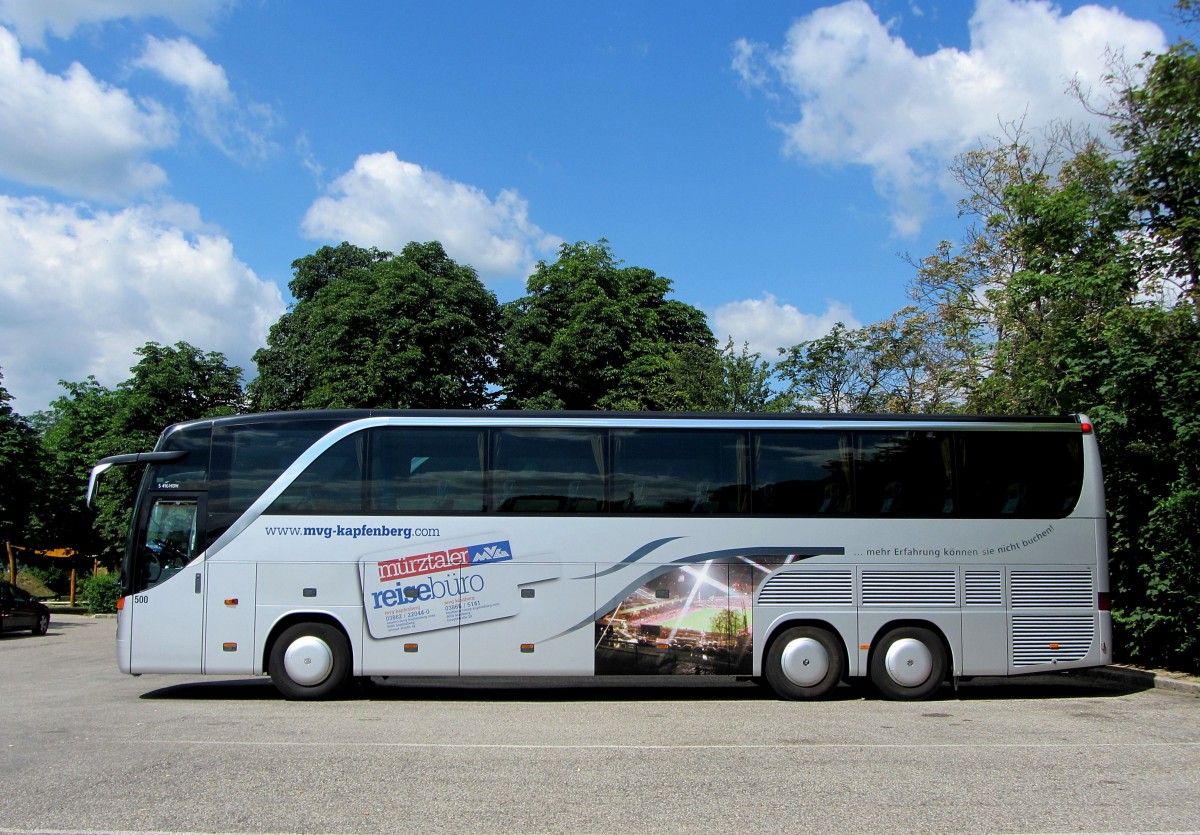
84,748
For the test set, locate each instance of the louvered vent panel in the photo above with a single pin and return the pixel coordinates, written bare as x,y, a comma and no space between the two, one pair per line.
909,588
1048,640
983,588
808,588
1052,590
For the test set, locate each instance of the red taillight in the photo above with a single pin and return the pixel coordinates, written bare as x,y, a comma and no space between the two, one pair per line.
1104,601
1086,427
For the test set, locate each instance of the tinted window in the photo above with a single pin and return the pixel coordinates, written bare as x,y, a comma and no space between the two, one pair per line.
427,470
904,474
331,485
1020,474
679,471
548,470
802,473
190,469
247,458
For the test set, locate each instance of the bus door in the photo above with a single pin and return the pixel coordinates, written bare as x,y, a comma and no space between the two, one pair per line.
168,581
229,616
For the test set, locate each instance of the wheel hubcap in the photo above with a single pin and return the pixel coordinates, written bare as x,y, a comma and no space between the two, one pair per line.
308,660
805,662
909,662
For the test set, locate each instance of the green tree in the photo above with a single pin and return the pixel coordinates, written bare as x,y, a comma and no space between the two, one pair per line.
911,362
745,381
690,380
1151,378
75,433
20,471
591,334
700,379
1071,243
1149,430
173,384
831,373
1158,125
1074,324
89,422
1076,285
373,330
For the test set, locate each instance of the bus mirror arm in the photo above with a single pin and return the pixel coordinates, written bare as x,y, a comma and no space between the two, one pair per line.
105,464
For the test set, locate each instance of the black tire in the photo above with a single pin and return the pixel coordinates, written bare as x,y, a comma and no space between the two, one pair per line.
43,624
908,664
804,662
309,661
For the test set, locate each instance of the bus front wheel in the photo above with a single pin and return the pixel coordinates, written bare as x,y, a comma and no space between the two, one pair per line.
309,661
804,662
909,663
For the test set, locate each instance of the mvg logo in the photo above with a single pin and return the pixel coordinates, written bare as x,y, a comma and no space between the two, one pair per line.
491,552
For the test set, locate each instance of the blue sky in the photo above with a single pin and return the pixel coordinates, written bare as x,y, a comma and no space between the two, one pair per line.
162,162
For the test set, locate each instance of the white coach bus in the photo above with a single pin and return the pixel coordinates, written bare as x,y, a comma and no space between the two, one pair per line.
800,549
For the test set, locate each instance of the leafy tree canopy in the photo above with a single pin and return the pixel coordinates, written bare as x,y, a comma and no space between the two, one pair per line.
20,467
374,330
173,384
1158,124
591,334
89,422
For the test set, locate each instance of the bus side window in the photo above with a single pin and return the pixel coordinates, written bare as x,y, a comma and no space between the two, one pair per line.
801,473
1020,474
679,472
332,484
246,459
432,469
547,470
904,474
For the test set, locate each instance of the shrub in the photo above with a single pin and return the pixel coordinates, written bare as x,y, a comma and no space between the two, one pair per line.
1167,625
102,592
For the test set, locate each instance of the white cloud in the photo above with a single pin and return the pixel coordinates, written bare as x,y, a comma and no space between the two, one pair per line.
182,62
74,133
386,202
80,290
240,130
768,325
865,97
33,19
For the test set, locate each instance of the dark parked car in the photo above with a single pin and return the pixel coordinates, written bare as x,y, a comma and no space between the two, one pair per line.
21,610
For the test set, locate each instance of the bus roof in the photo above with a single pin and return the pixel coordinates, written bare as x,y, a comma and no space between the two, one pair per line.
566,417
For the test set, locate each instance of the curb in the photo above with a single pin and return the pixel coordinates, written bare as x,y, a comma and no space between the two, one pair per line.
1145,679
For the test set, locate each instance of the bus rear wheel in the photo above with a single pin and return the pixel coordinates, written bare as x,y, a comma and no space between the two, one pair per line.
804,662
909,664
309,661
